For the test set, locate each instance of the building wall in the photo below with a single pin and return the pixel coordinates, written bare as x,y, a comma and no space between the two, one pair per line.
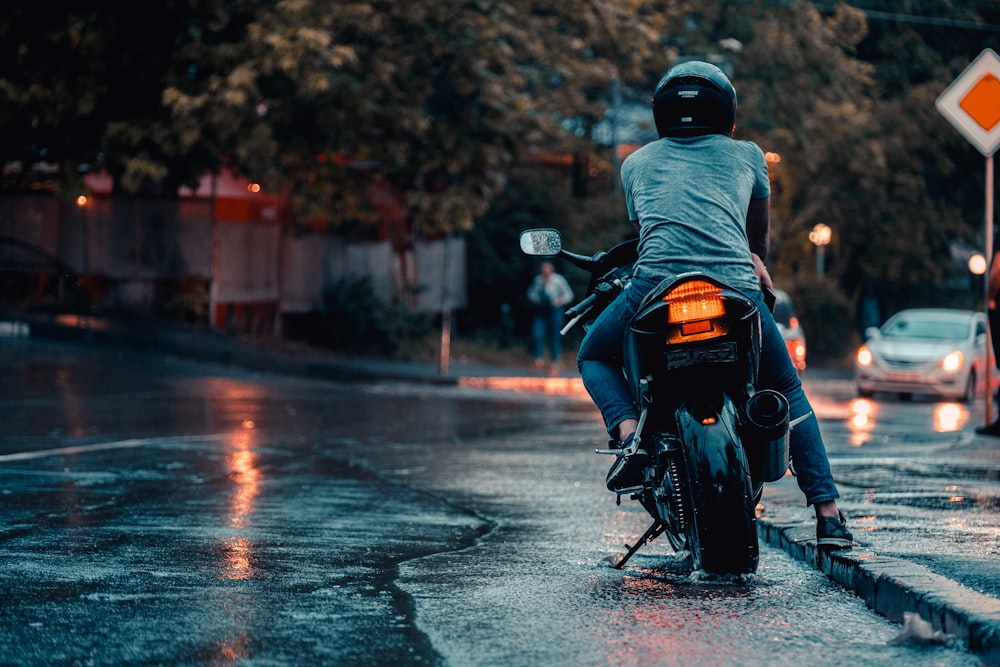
135,244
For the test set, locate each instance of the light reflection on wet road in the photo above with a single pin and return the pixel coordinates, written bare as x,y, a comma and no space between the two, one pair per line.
156,511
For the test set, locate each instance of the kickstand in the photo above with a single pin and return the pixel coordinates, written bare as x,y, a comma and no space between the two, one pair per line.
651,534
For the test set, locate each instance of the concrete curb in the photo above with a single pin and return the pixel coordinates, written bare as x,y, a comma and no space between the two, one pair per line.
892,586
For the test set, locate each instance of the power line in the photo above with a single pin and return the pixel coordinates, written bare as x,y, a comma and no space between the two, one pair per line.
915,18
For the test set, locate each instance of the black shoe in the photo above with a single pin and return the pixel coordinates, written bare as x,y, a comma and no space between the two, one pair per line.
990,429
628,469
832,533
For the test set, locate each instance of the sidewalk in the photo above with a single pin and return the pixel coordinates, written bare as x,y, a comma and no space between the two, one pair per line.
206,345
889,586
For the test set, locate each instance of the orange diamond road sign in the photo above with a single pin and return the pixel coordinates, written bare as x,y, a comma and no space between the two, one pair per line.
972,102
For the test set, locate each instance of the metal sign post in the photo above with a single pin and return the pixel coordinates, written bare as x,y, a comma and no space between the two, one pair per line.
986,288
972,104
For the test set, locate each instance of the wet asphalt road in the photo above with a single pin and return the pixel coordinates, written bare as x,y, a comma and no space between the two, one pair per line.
157,511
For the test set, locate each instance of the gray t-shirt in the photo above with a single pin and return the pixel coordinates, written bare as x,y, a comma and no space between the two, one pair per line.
690,197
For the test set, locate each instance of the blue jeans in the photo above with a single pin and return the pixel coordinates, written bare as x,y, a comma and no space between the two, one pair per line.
600,363
545,331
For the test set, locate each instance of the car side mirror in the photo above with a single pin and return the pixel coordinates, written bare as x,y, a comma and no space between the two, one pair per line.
871,332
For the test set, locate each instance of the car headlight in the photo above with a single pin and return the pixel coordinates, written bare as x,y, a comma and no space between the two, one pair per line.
953,361
864,356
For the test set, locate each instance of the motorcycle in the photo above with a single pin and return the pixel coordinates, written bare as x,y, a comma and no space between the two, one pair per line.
690,358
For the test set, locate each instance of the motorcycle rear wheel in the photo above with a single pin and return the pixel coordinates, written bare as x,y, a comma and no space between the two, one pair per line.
671,500
722,533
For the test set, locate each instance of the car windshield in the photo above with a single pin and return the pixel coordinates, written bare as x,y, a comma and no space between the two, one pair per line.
783,312
933,329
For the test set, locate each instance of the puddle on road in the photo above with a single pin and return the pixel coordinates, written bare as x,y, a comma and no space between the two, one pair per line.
945,500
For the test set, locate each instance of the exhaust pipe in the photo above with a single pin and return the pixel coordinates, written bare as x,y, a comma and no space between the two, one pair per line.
765,435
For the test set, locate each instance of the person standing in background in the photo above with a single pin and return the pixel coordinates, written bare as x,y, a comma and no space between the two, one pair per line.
548,294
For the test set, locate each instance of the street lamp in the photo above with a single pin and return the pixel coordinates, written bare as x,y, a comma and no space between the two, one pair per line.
820,236
772,159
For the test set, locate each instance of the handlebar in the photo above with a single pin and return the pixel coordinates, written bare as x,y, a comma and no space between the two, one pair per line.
582,307
589,264
604,293
578,312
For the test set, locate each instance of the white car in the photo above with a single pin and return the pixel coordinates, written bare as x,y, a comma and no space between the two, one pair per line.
938,351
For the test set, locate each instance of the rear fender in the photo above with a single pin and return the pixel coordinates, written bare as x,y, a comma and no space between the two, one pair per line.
710,438
723,535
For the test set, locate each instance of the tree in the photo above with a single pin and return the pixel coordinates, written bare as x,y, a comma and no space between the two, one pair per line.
928,190
847,101
81,87
440,98
806,98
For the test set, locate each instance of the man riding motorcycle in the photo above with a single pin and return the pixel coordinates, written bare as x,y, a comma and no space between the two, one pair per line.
700,199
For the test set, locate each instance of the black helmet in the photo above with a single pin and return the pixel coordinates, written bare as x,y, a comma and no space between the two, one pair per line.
692,99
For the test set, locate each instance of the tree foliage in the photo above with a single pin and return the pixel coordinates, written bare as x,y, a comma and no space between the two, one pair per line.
921,183
442,99
846,97
81,87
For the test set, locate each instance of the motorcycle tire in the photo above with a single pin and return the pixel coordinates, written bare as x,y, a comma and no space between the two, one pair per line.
722,532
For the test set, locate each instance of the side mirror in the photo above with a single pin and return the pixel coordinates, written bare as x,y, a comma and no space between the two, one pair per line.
541,242
871,332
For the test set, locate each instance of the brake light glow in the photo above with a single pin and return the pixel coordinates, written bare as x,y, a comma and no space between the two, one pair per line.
694,301
692,328
797,351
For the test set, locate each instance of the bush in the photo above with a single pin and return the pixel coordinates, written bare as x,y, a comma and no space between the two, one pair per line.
827,318
189,301
354,319
499,274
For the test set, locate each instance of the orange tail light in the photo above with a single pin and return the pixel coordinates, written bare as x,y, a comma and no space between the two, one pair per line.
694,301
